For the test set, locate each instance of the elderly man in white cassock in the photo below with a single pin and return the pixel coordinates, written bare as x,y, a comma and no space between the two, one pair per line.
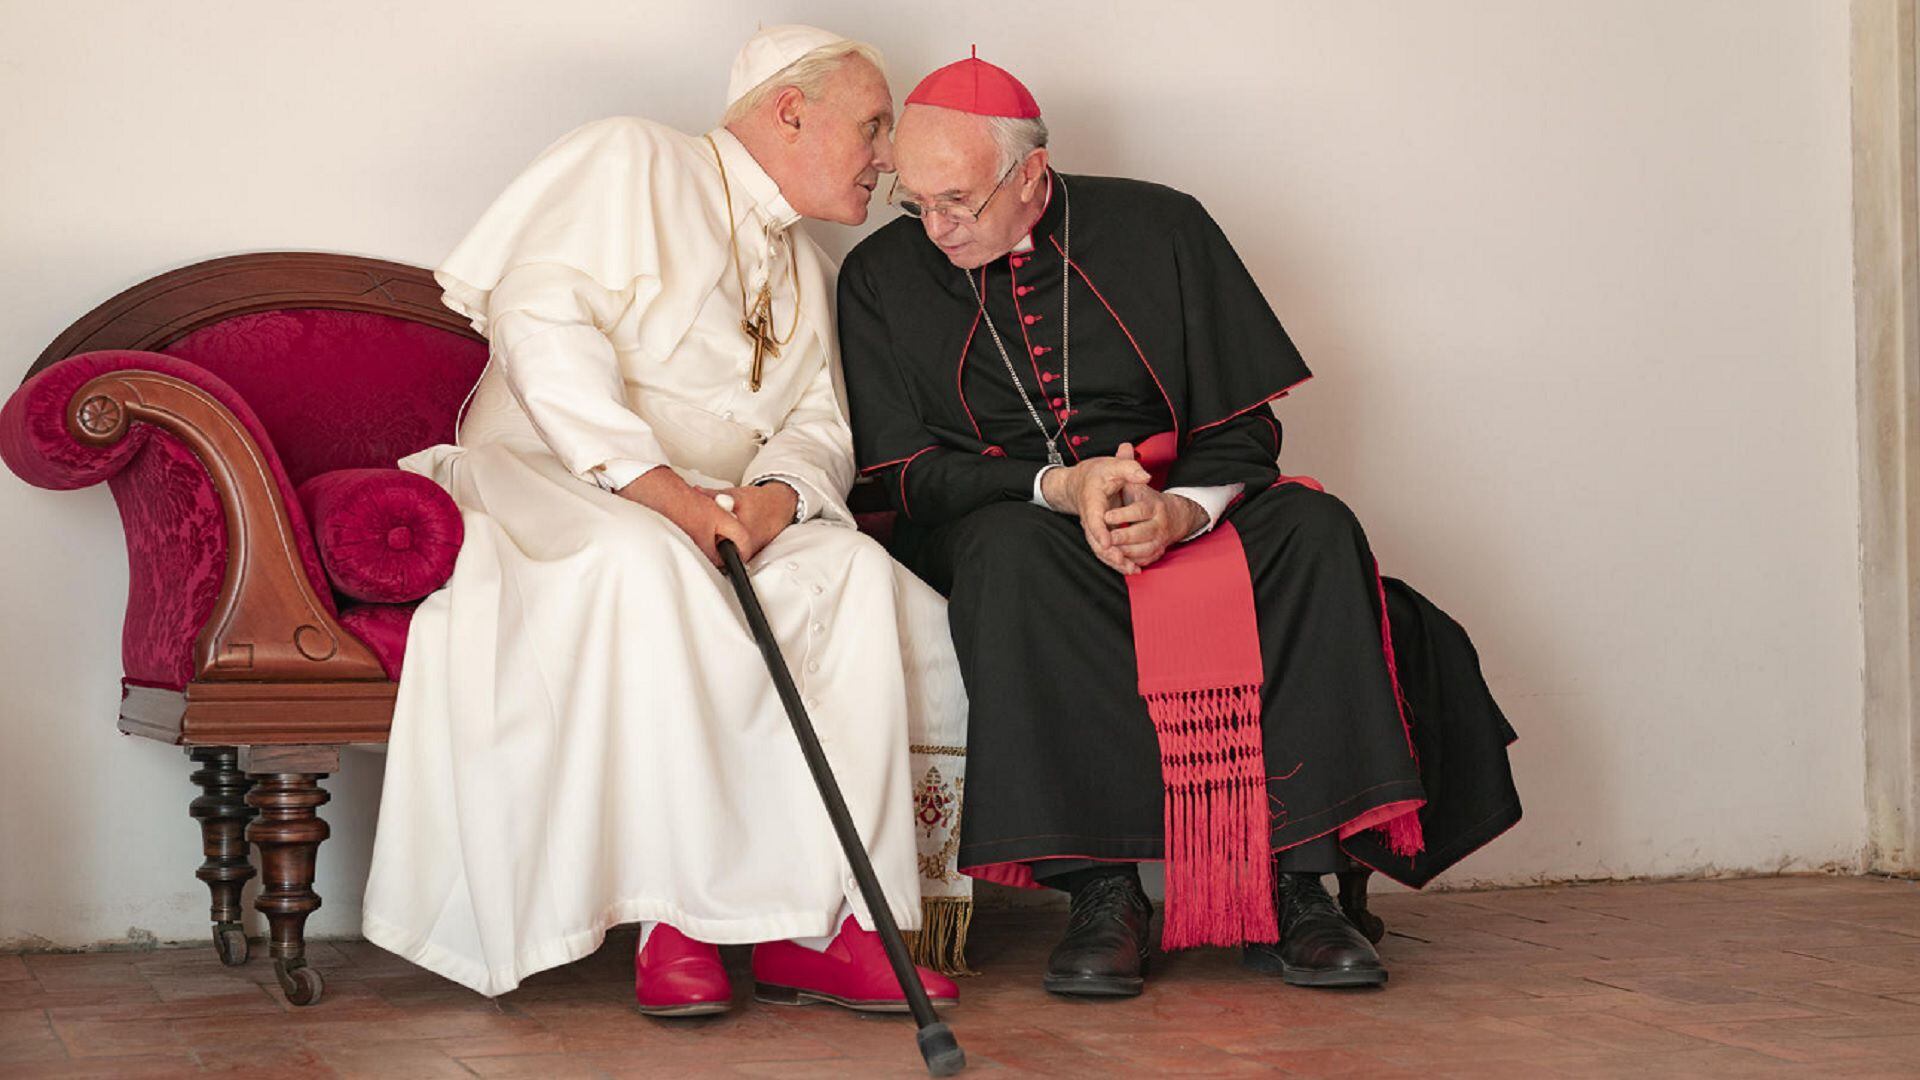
585,734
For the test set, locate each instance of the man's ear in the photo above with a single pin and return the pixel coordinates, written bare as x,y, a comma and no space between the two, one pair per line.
786,112
1033,173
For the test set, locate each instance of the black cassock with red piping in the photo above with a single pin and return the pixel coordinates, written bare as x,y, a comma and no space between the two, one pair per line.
1168,333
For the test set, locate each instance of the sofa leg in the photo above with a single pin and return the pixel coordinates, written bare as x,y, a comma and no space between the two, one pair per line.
223,813
288,833
1353,901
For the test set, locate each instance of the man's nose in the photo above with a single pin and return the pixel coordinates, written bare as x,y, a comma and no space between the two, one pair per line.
883,154
937,226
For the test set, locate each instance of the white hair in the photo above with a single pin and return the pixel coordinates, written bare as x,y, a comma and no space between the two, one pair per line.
809,75
1016,137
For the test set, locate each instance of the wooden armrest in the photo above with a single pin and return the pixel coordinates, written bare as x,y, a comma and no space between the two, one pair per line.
268,623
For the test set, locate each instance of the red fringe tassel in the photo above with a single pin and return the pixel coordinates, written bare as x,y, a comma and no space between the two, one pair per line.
1219,872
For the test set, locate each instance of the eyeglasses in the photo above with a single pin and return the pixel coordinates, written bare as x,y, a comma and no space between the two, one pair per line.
952,211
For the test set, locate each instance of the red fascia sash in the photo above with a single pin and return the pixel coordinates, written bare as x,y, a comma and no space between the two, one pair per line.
1196,635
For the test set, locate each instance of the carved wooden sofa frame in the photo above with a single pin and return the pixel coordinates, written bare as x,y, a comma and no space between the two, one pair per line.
278,685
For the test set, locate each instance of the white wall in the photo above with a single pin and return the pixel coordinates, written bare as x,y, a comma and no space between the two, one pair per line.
1576,279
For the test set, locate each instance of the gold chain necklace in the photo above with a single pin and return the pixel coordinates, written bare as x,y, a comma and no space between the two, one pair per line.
756,320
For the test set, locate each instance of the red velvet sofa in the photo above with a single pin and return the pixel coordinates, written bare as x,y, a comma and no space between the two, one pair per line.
210,400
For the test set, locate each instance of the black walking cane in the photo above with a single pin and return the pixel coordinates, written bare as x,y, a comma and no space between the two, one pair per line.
937,1044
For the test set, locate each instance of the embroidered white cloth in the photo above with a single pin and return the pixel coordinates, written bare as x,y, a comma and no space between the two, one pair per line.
585,733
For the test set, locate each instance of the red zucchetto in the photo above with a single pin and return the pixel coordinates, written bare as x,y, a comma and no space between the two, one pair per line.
975,86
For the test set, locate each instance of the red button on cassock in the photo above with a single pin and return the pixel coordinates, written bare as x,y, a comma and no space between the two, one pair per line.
1041,350
1057,402
1048,376
1078,439
1031,319
1023,290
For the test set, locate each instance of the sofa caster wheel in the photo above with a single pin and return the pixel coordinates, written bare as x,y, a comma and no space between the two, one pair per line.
230,941
302,984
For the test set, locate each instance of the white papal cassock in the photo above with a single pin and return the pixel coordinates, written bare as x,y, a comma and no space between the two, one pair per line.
585,733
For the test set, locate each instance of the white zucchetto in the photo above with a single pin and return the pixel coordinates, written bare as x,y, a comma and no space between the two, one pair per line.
766,53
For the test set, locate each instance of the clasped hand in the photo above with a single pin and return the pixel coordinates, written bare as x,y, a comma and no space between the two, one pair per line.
1127,522
759,512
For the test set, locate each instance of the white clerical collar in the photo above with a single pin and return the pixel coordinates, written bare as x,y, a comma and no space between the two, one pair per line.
1026,242
751,185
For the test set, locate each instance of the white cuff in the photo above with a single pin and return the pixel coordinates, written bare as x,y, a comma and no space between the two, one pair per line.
1039,499
614,475
1213,500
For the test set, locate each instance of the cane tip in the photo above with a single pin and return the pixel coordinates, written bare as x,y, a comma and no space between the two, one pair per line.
941,1050
724,502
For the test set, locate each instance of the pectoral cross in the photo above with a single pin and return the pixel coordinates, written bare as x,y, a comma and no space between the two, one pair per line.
759,330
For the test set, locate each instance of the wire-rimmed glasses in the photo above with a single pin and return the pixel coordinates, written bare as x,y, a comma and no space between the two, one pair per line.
952,211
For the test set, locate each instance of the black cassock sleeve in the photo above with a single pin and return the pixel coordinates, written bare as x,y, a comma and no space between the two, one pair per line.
1244,450
928,482
1237,358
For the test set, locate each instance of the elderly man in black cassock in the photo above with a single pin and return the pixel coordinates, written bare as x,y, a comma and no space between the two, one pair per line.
1173,651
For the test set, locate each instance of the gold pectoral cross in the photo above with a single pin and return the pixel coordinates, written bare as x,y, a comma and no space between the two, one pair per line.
759,330
763,346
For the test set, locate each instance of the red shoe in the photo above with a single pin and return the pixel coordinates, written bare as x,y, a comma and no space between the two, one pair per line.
675,975
853,972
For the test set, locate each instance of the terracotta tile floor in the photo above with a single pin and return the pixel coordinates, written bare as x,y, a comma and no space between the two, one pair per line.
1792,975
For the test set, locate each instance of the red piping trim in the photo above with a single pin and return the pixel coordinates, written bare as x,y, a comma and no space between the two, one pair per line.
903,482
1270,397
960,370
1275,427
1393,668
895,461
1158,385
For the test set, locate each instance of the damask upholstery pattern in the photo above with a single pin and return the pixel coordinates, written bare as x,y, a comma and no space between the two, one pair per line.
174,545
340,389
383,628
33,432
385,535
176,536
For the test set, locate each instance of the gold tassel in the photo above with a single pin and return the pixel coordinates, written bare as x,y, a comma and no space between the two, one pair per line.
941,941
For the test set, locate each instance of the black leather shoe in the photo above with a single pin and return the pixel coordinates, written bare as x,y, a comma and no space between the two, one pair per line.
1318,945
1104,952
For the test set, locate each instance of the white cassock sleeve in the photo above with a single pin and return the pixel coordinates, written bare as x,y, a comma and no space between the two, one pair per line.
812,451
545,323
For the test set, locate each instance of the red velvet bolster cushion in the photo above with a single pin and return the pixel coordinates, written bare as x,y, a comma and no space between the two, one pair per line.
386,536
